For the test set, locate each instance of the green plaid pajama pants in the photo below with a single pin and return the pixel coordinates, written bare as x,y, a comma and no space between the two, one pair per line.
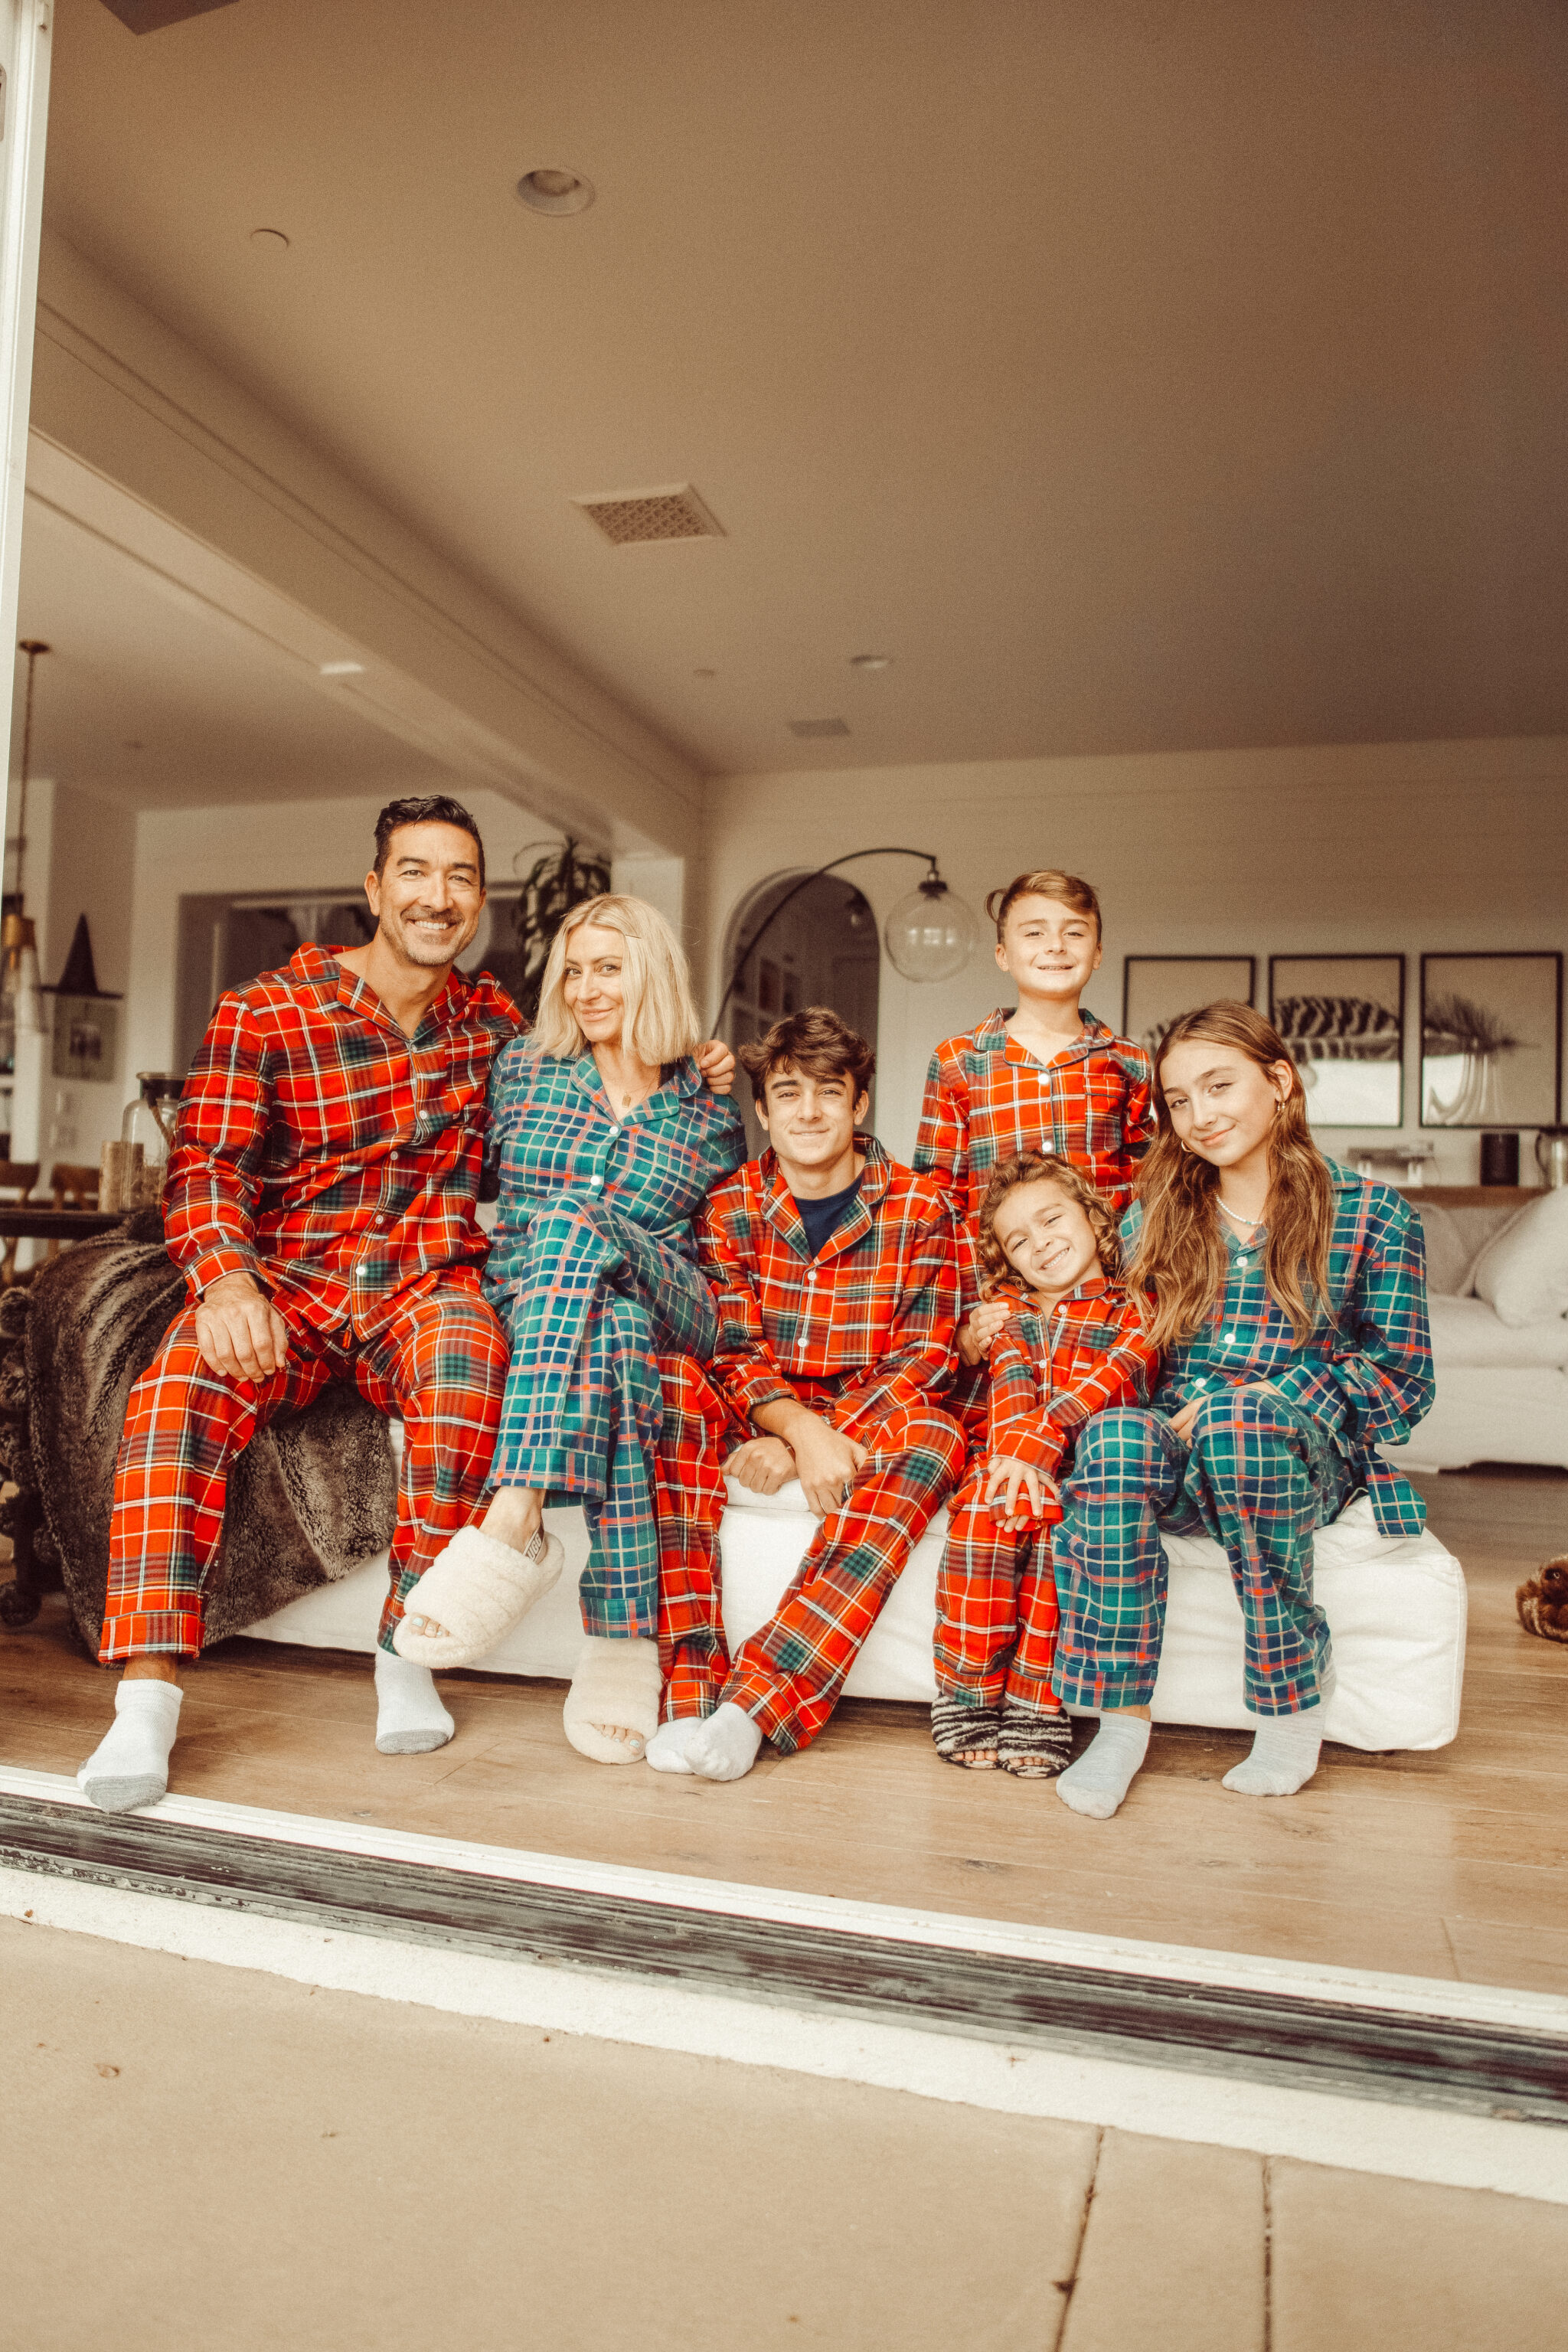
589,1297
1259,1477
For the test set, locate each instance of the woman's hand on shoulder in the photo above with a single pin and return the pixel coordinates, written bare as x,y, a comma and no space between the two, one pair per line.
717,1063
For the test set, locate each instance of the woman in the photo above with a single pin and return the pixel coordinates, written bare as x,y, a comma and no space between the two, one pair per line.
1290,1299
608,1140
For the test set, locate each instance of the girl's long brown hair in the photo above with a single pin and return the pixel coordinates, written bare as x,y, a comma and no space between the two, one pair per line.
1180,1255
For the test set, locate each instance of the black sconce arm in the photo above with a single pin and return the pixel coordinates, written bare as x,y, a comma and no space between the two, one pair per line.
751,945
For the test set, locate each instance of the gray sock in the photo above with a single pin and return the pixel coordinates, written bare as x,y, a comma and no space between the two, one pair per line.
129,1766
1284,1755
1098,1782
410,1719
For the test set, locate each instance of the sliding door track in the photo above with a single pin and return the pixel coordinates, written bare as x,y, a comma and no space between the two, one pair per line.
1298,2041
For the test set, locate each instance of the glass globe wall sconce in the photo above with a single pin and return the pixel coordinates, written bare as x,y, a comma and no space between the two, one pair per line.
929,935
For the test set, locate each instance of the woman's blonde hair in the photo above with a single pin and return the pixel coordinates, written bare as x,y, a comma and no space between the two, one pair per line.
1043,1167
1180,1255
658,1017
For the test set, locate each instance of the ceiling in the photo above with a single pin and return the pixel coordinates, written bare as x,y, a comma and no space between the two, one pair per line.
1139,374
148,697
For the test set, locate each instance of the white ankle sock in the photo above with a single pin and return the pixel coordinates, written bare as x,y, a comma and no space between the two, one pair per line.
1098,1782
129,1766
410,1719
1284,1755
666,1750
725,1744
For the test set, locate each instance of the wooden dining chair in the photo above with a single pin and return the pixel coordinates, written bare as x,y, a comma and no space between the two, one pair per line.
17,1177
73,1185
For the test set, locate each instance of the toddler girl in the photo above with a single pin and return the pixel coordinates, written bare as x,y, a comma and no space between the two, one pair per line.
1075,1346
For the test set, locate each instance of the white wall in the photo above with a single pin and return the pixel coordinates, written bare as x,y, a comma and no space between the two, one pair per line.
264,845
1350,849
80,856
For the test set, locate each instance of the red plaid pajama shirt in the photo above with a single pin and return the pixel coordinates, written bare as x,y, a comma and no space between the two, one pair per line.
987,1097
996,1597
862,1335
336,1160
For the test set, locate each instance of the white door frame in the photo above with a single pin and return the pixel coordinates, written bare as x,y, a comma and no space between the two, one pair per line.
25,50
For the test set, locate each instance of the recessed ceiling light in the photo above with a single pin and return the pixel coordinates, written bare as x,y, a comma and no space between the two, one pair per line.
342,669
870,661
270,240
551,188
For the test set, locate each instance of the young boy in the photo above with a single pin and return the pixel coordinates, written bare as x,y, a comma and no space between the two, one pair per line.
836,1282
1077,1347
1047,1077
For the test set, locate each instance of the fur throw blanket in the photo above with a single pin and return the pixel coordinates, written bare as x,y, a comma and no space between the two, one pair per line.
308,1498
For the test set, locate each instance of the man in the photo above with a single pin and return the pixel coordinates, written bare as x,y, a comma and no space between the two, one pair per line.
321,1203
836,1280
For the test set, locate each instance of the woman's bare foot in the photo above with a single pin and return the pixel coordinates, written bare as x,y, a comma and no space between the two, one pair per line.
515,1517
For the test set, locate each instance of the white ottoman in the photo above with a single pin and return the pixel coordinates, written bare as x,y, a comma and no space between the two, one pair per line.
1395,1606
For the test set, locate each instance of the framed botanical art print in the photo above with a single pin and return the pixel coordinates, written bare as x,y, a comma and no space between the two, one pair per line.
1491,1039
1157,990
1343,1017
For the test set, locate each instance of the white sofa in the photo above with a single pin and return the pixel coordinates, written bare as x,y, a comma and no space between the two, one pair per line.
1498,1281
1396,1609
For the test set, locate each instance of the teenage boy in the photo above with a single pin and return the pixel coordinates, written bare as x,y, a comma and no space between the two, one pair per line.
321,1204
835,1274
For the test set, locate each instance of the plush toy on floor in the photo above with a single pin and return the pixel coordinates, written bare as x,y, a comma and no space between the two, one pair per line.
1544,1602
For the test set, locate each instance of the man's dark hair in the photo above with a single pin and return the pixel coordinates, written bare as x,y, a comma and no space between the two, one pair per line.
816,1044
434,808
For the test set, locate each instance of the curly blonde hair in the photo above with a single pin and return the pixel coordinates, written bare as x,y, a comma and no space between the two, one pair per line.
1043,1167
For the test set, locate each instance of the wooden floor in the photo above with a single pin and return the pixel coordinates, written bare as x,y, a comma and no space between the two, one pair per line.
1449,1864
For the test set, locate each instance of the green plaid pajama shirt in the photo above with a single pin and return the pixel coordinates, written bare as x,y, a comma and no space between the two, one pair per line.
1261,1470
592,1269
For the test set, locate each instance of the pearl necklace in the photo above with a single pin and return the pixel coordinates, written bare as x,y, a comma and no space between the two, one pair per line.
1250,1223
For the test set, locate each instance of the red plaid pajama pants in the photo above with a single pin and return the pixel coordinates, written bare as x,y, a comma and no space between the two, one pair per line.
995,1604
438,1364
789,1676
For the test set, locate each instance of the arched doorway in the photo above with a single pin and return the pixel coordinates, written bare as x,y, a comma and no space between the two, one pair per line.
823,949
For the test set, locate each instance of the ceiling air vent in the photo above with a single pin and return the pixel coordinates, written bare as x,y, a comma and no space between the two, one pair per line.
638,518
152,16
810,729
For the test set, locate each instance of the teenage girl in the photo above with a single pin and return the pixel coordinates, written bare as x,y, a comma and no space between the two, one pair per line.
1076,1348
1044,1076
1290,1305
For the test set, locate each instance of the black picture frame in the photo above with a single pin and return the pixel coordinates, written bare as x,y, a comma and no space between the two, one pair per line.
1345,1022
1493,1090
1148,1001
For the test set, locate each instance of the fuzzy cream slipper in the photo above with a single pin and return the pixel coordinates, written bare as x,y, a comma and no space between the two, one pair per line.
476,1591
617,1683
